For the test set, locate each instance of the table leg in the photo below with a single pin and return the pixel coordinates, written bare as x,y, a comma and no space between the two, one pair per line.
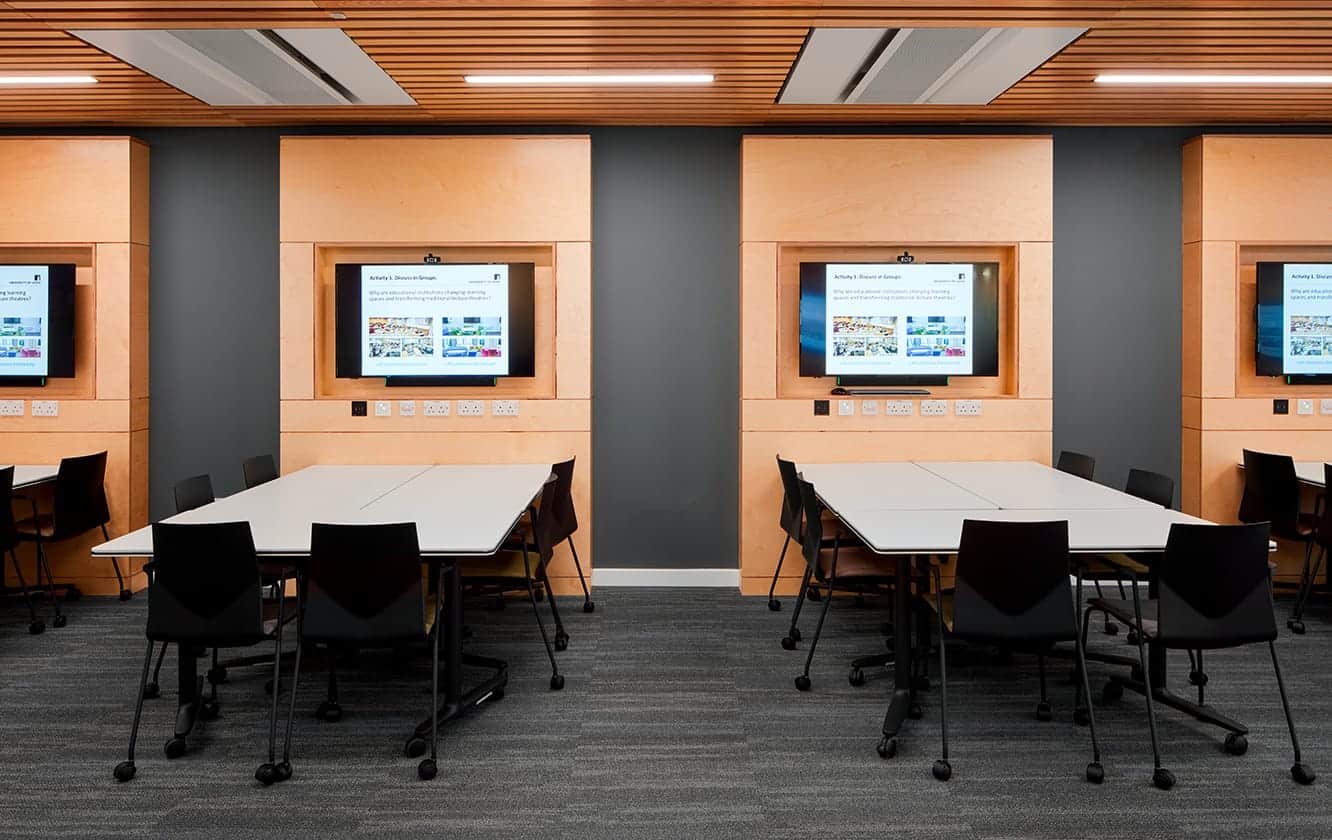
900,701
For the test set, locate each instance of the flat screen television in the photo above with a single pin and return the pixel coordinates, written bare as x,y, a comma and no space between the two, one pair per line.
1294,321
36,323
869,323
435,324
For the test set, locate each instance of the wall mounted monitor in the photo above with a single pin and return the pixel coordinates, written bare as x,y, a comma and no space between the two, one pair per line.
1294,321
899,322
441,324
36,323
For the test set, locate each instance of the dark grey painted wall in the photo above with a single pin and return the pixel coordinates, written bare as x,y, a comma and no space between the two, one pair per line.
665,342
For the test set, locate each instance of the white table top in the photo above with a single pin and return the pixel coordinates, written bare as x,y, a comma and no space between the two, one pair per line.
1308,472
26,475
887,485
1014,485
457,509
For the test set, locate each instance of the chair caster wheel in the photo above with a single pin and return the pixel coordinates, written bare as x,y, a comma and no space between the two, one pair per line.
266,774
37,628
557,682
73,594
774,605
943,771
125,594
589,606
329,712
1131,637
813,594
124,771
561,641
174,748
1044,712
802,683
416,747
1297,627
1163,778
1197,678
151,691
788,643
1081,716
1236,744
283,771
217,676
1095,773
59,621
427,769
915,711
1301,773
210,710
856,677
1110,629
795,634
887,747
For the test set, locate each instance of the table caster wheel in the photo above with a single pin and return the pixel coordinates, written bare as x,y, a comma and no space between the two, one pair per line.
37,628
124,771
943,771
416,747
426,770
266,774
813,594
151,691
1297,627
802,683
1110,629
59,621
217,676
887,747
788,643
774,605
1095,773
561,641
1197,678
1044,712
1236,744
915,711
1163,778
589,606
857,677
283,771
73,593
174,748
125,594
329,712
1112,692
210,710
1303,774
557,682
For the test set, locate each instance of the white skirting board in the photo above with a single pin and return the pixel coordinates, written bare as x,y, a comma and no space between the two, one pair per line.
717,578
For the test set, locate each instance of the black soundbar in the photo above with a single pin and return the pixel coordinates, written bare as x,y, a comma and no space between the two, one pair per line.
880,392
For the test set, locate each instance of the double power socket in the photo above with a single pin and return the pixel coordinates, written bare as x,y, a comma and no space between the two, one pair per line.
444,408
907,408
40,408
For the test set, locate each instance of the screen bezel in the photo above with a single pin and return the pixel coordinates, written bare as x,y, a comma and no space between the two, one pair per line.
60,284
1271,295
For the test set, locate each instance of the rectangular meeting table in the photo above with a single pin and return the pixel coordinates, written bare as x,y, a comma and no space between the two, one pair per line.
30,475
459,511
907,511
1308,472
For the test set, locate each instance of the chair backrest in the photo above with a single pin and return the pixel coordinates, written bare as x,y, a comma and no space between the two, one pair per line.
1323,530
205,584
1151,486
811,540
1214,587
8,533
363,584
1271,492
260,469
564,519
1012,582
791,502
195,491
80,495
1075,463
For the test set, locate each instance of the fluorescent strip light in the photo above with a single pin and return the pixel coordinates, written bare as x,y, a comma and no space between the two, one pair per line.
595,79
1208,79
47,80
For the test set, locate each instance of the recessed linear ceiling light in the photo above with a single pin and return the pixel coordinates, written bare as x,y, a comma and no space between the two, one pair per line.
594,79
1209,79
47,80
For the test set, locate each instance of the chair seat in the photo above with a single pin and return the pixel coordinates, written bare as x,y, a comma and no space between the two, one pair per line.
1305,526
1111,565
506,564
1122,609
857,563
942,604
43,525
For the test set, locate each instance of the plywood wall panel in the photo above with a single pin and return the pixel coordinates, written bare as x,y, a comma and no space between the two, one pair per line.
113,307
573,317
759,317
297,328
68,189
1266,189
1035,315
1219,319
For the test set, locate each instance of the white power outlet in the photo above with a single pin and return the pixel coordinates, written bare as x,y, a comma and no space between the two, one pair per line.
471,408
504,408
898,408
1301,406
846,408
406,408
437,408
933,408
383,408
11,408
869,408
46,408
967,408
1325,406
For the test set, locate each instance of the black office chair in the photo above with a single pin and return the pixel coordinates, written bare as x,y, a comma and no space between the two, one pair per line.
1272,494
260,469
849,566
1146,485
1214,591
363,589
9,540
1011,589
79,506
1075,463
1322,536
564,521
204,591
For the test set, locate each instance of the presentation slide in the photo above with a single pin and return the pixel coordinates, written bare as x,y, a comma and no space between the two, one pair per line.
899,319
435,320
1307,307
24,321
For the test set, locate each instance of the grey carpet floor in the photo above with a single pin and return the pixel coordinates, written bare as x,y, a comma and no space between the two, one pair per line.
679,719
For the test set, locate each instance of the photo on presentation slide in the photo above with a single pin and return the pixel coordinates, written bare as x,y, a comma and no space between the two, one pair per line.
385,348
404,327
472,326
1314,345
936,325
861,325
1311,324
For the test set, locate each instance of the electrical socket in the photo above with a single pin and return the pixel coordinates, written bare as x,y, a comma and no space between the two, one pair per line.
869,408
46,408
471,408
1281,406
11,408
504,408
1301,406
383,408
358,408
1325,406
846,408
820,408
967,408
436,408
933,408
898,408
406,408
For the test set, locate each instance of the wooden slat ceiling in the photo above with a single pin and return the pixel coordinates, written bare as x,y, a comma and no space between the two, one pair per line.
749,44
